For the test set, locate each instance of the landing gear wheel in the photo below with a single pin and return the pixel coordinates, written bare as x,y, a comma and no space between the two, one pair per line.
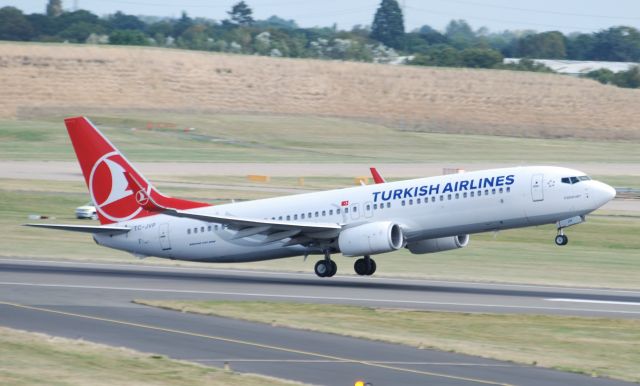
360,266
326,267
365,266
372,267
562,240
322,269
334,268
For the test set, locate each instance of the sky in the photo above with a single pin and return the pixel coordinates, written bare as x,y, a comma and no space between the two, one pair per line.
541,15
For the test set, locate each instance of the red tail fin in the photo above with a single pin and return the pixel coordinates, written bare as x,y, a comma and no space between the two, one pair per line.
105,172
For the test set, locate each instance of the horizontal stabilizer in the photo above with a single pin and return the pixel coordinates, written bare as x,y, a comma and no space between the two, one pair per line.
82,228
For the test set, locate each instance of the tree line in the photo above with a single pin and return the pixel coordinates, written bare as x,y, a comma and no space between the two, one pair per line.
459,45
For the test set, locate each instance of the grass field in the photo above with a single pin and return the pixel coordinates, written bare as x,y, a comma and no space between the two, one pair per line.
45,79
593,346
267,138
36,359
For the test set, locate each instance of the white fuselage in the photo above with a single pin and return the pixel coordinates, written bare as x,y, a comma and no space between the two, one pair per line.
425,208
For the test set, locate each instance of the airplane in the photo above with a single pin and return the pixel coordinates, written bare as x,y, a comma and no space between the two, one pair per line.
424,215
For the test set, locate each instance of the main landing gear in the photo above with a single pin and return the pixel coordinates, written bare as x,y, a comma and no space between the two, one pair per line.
365,266
326,267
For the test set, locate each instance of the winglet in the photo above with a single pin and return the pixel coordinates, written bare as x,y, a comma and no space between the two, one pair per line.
377,178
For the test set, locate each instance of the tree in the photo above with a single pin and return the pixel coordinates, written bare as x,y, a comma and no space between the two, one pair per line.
241,14
460,34
14,25
480,58
128,38
388,24
617,44
121,21
54,8
546,45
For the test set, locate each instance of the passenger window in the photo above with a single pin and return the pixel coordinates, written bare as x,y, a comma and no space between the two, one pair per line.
441,198
464,195
493,191
346,210
388,205
338,211
486,192
216,227
295,216
331,212
375,206
324,213
368,207
280,218
403,203
410,201
479,193
195,230
457,196
508,189
471,194
288,218
188,231
501,190
433,198
302,216
449,197
202,229
209,228
317,214
418,201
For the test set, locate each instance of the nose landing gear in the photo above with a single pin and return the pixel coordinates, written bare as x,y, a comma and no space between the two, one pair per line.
561,239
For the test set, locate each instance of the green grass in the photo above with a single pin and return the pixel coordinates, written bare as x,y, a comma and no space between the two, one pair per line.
602,252
593,346
36,359
271,138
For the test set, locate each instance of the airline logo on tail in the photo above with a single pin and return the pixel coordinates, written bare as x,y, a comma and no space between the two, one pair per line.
110,189
118,191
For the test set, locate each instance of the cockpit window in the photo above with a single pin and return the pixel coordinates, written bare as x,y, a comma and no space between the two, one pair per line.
574,180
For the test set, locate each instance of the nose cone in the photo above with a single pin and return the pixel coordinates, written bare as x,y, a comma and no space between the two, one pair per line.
603,193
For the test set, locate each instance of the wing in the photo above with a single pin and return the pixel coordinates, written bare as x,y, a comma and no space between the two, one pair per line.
82,228
298,232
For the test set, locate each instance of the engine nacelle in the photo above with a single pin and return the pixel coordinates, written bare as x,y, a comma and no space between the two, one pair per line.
438,245
370,239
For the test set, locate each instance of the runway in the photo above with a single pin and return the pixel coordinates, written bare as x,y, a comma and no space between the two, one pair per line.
93,301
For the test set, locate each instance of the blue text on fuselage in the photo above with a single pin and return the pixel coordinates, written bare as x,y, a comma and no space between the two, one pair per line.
449,187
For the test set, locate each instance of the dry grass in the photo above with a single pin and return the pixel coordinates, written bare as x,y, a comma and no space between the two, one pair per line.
37,359
45,79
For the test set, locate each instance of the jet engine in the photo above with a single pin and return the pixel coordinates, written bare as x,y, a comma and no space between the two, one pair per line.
438,245
370,239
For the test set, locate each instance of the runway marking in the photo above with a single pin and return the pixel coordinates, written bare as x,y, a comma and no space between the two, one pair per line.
331,298
141,267
594,301
231,360
252,344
